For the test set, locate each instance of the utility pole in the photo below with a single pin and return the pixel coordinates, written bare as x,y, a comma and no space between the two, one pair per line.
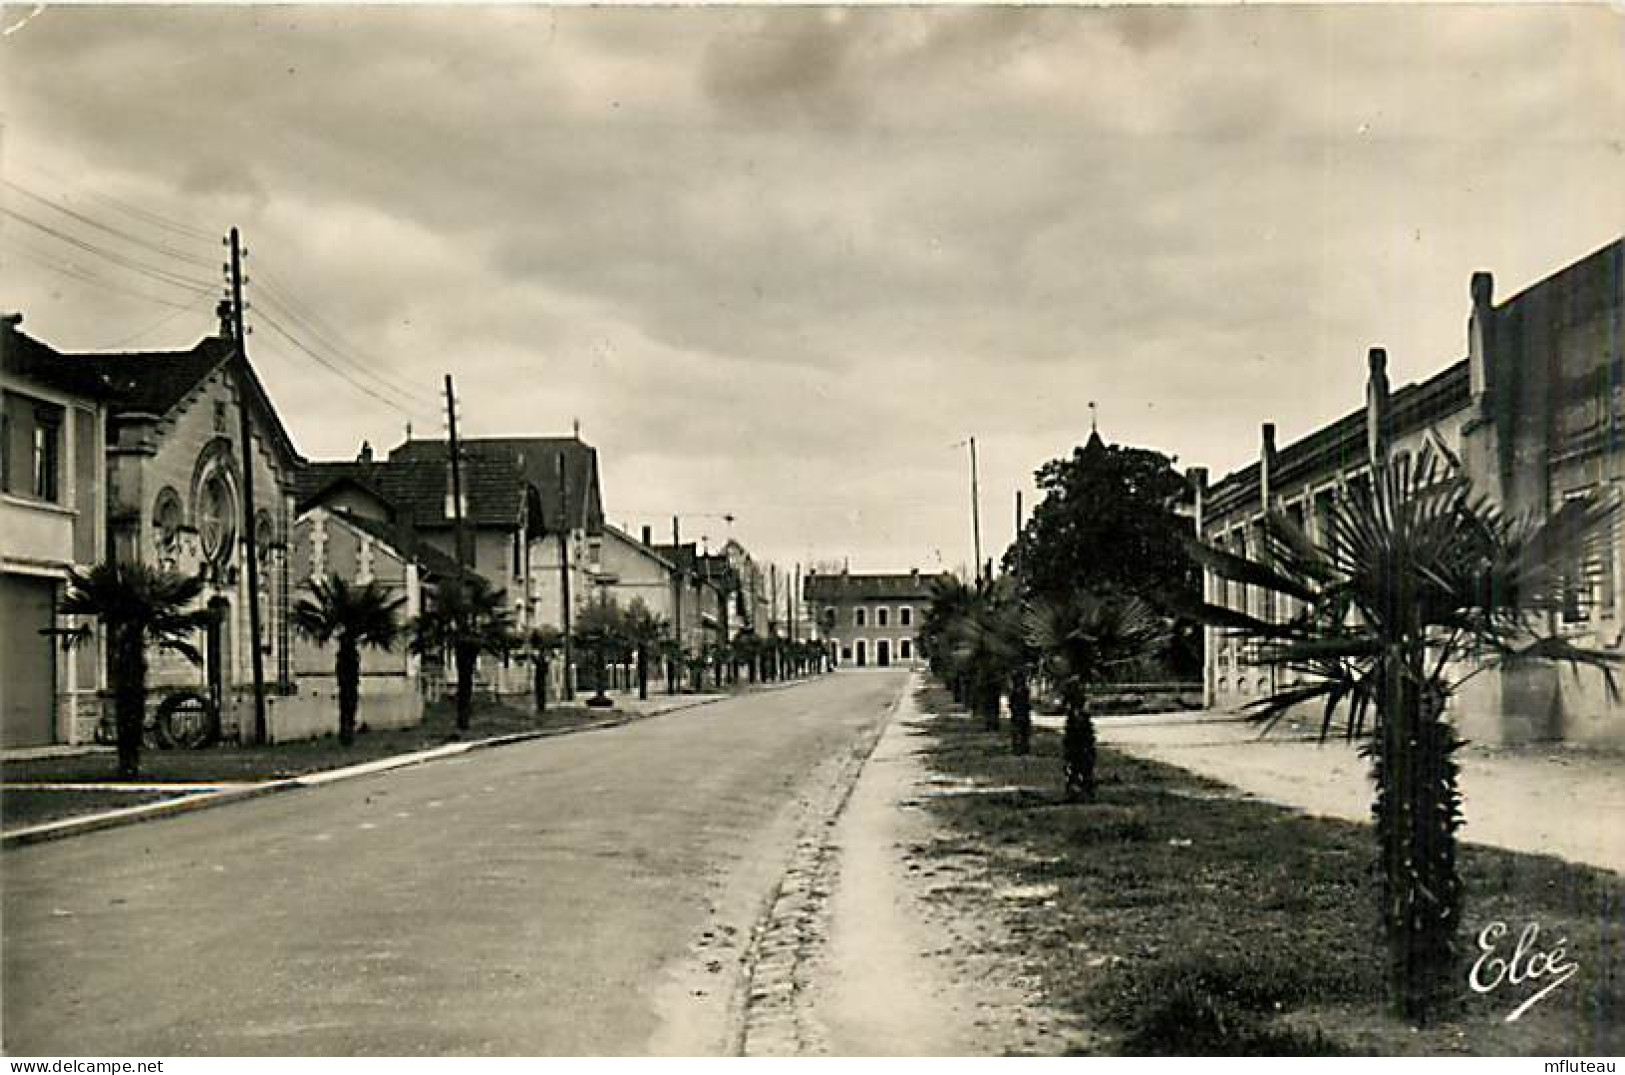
975,512
564,581
250,536
455,455
795,607
680,581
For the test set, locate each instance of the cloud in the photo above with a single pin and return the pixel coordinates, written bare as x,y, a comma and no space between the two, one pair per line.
778,260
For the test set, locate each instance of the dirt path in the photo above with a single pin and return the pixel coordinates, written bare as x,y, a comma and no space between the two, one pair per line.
899,973
1545,801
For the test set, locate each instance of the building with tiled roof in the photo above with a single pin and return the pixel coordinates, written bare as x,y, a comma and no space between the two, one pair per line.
871,620
172,478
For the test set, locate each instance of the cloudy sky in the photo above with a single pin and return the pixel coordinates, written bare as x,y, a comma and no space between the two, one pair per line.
779,262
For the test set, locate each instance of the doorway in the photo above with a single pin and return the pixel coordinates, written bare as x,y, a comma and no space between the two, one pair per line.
883,653
863,653
27,661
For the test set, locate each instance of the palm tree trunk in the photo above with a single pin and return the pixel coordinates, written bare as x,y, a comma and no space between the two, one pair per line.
1417,812
987,702
347,671
1078,751
1021,713
465,657
128,670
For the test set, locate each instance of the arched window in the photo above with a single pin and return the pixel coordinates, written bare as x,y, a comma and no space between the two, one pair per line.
167,518
217,515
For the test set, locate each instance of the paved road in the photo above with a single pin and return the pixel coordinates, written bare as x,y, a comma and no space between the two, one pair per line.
1549,801
583,895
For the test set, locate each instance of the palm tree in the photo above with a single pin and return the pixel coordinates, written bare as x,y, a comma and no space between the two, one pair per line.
543,642
1414,586
353,616
1083,638
645,631
950,601
467,617
137,606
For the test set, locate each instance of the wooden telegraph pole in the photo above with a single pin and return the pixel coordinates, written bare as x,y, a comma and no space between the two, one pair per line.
455,456
565,609
250,536
975,512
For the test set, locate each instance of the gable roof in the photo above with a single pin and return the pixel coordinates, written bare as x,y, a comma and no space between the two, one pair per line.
156,382
637,546
577,503
436,563
417,490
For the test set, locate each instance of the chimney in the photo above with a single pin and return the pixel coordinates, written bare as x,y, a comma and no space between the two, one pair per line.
1480,373
1376,408
648,536
222,310
1196,477
365,455
1266,466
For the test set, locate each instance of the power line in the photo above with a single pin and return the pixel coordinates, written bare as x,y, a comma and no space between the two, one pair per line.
87,276
155,326
146,216
162,275
336,351
278,289
129,237
275,326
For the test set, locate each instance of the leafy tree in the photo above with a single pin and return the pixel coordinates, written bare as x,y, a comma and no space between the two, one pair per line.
351,616
645,631
137,606
543,643
1414,586
1084,639
600,630
1107,524
466,617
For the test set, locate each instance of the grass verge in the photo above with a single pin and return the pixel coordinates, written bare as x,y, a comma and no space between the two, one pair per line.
1181,919
232,763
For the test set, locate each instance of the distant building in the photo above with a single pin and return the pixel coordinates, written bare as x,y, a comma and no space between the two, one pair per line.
870,620
1534,415
53,518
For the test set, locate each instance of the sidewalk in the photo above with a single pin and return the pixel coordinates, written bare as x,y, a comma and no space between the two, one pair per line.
1545,800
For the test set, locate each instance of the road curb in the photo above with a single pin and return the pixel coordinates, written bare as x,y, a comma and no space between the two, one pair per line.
187,803
773,1020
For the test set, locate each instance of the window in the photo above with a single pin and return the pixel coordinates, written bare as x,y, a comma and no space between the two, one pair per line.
905,649
846,653
32,448
905,616
882,617
217,516
858,617
167,517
